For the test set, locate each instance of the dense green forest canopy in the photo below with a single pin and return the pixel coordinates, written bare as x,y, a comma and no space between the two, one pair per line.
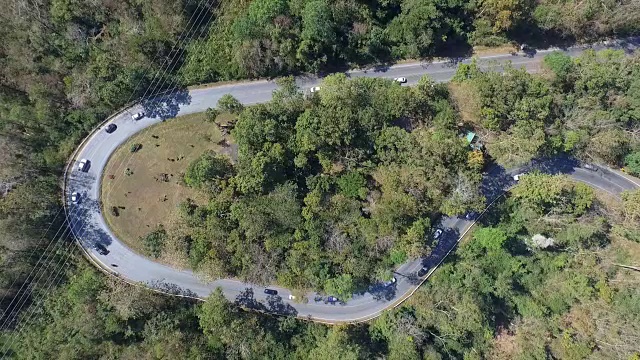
589,106
64,67
336,188
536,280
272,37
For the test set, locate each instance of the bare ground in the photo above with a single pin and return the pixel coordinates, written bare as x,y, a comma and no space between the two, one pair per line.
148,193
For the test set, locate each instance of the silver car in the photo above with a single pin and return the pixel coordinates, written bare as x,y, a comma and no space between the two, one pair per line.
83,165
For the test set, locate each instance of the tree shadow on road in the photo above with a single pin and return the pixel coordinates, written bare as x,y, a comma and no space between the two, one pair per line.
383,293
89,234
247,300
277,306
561,164
274,304
495,182
166,106
170,288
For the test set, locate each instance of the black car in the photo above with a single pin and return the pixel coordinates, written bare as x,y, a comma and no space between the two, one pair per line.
471,215
102,250
110,128
422,272
270,292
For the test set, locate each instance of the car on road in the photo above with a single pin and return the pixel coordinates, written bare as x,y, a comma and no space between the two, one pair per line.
292,297
110,128
517,176
527,50
271,292
138,115
589,167
401,79
437,233
332,299
314,89
390,282
83,165
102,250
75,197
471,215
422,272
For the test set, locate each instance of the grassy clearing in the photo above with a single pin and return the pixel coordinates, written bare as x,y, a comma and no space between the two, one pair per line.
148,197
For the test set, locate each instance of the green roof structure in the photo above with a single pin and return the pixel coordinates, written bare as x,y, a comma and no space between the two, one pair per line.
470,136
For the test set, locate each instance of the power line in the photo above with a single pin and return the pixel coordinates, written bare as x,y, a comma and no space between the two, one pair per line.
36,248
165,71
128,101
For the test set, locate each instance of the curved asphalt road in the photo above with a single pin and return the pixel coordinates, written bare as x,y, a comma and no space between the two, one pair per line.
90,229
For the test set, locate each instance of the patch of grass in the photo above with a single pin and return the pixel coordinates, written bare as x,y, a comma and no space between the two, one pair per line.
149,196
469,235
465,97
494,50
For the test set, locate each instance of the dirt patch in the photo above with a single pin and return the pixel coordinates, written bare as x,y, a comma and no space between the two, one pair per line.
466,100
145,187
494,50
504,345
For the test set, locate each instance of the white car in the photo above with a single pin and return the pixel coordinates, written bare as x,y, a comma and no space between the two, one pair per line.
75,197
437,234
401,79
390,282
314,89
517,177
138,115
83,165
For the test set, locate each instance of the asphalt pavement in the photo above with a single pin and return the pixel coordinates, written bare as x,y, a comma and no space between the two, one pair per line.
92,232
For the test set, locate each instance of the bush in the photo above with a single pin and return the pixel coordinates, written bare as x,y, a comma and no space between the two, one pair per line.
342,287
154,241
632,162
208,168
212,114
353,185
230,104
135,147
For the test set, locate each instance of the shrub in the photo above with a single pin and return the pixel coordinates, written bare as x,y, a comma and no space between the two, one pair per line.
154,241
135,147
212,114
353,185
208,168
632,162
230,104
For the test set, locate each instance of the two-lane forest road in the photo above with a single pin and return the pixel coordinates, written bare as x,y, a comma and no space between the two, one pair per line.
93,234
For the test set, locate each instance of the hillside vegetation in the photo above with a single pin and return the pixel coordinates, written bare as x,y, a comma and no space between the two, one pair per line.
273,37
332,191
537,280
